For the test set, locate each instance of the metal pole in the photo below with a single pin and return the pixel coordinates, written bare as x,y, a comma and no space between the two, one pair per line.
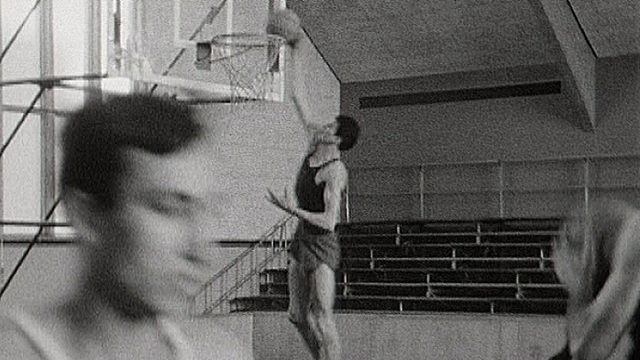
47,126
15,35
94,41
586,183
1,165
347,203
501,187
423,170
422,198
24,117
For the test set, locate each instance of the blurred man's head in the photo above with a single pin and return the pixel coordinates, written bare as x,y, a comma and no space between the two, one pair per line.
348,131
96,135
134,186
343,133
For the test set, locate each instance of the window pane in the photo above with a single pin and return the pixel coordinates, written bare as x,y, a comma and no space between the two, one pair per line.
21,160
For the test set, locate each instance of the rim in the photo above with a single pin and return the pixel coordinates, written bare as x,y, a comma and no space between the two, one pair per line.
246,40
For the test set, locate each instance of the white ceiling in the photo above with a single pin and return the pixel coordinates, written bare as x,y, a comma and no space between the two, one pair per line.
366,40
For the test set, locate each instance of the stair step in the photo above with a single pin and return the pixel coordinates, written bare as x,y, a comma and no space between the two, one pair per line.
461,290
492,265
447,262
413,304
435,275
442,250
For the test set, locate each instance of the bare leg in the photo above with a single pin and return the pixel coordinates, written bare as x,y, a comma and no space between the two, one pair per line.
321,317
299,304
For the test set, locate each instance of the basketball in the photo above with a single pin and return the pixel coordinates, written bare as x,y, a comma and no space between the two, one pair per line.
286,24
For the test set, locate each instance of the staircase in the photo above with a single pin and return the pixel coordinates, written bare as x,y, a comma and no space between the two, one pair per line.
480,266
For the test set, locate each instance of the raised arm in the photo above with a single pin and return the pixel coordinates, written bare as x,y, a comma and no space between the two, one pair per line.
299,53
596,329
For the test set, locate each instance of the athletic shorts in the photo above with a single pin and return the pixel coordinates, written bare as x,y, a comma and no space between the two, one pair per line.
311,250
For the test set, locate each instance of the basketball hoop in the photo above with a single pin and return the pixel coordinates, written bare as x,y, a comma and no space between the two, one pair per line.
249,60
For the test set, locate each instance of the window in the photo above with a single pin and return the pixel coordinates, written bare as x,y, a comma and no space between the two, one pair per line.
52,39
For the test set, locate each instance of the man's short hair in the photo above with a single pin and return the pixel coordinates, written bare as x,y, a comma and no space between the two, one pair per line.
95,135
348,131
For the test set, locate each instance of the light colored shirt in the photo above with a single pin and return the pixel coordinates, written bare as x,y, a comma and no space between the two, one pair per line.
46,346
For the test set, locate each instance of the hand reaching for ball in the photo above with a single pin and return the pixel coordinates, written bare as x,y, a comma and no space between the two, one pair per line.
286,24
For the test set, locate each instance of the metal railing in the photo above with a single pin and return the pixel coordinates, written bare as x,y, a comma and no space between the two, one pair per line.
241,277
504,188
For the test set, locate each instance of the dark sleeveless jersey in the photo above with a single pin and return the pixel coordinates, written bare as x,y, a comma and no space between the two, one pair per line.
311,195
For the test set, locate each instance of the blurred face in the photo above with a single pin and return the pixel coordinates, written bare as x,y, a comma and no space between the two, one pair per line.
150,249
327,134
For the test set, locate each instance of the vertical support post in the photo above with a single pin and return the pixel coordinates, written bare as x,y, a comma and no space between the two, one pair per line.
237,274
47,132
136,11
252,282
422,214
345,281
501,187
94,52
587,175
454,264
222,285
347,203
116,27
1,163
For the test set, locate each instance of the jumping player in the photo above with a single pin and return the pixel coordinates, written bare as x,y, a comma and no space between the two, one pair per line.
597,257
314,251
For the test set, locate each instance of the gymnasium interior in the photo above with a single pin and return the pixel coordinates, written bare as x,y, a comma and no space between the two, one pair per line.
482,123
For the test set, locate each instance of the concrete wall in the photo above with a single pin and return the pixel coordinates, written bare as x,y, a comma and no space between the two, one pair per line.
518,128
387,336
50,272
419,336
364,336
373,336
512,128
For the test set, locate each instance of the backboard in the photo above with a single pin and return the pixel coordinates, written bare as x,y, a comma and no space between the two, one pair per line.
155,42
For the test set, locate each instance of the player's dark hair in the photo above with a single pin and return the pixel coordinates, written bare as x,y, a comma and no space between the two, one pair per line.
348,131
95,135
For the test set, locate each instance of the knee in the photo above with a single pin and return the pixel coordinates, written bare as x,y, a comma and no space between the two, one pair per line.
322,319
296,318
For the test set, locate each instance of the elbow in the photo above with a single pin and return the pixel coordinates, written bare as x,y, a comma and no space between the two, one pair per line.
589,354
592,351
329,225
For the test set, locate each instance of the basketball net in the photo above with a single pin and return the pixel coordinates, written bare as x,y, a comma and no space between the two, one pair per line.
249,61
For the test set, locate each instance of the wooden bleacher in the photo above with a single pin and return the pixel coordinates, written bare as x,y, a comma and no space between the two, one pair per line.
491,265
